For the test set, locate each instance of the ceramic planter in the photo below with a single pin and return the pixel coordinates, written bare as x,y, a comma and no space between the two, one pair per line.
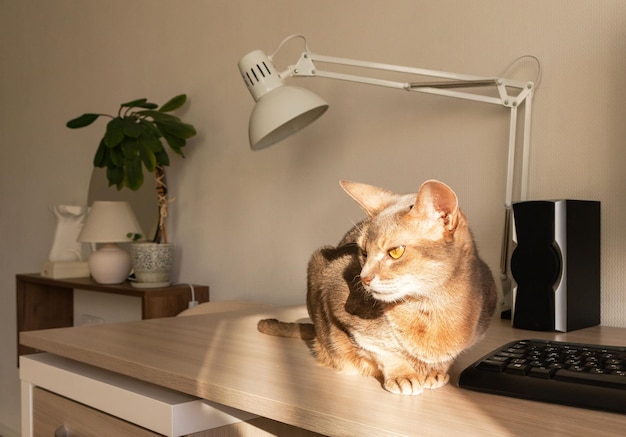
151,264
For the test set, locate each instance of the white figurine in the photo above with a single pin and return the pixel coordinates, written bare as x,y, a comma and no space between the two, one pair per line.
70,220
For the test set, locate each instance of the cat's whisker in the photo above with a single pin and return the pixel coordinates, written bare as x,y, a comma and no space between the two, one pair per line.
356,283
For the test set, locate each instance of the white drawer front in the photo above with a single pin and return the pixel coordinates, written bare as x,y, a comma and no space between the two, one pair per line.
148,405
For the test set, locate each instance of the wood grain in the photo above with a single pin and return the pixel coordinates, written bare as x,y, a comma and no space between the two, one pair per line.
222,357
52,412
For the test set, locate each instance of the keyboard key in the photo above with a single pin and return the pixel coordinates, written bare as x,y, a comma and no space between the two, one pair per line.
492,365
542,372
518,368
511,354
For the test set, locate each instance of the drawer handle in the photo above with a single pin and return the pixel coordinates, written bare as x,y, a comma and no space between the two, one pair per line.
60,431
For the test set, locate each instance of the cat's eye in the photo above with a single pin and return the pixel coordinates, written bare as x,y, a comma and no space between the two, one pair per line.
396,252
364,254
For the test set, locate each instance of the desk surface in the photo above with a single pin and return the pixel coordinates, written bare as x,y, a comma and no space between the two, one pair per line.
222,357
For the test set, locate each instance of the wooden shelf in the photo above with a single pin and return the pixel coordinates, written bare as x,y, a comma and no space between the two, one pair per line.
44,303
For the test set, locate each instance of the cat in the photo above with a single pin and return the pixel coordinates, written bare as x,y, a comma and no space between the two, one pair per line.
401,295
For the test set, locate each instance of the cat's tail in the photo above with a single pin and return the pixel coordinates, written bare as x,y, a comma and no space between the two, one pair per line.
304,331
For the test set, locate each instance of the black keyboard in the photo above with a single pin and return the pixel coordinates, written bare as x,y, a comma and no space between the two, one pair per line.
579,375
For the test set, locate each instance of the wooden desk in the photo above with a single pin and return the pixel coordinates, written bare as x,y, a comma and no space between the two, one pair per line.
222,358
44,303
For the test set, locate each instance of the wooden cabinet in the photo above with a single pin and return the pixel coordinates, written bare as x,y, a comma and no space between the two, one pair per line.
44,303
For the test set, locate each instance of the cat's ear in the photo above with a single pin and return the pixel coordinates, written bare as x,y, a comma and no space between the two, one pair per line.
372,199
438,203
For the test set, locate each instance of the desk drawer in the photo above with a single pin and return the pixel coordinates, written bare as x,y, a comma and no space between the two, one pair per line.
147,406
54,415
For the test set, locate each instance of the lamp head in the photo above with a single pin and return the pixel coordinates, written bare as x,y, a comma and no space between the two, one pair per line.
280,110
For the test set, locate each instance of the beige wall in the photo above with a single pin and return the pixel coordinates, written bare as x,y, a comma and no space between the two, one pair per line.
245,223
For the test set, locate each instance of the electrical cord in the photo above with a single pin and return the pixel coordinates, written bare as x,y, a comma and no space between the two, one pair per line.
193,302
518,59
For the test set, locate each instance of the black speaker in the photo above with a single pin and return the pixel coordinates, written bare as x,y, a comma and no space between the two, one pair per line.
556,265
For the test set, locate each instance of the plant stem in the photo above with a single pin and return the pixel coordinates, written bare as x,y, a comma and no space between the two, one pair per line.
163,201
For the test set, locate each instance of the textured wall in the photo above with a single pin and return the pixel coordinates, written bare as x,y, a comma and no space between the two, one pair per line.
246,222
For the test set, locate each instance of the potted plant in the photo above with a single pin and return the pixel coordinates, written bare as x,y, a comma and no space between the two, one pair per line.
135,139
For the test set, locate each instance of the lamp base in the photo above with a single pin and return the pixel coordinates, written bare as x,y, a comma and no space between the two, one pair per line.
110,264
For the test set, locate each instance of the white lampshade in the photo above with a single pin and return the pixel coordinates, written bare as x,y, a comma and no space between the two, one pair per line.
109,223
280,110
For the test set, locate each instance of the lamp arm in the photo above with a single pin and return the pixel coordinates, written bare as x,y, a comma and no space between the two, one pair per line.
528,105
305,67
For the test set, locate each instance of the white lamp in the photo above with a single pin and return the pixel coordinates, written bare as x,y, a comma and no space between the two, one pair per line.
273,119
280,110
109,223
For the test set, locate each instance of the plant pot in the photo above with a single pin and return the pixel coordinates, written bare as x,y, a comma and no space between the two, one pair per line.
151,264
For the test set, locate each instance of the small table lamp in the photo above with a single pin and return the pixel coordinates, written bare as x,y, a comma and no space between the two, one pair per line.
109,223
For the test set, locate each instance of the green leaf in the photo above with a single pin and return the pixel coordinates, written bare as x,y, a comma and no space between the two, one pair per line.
131,126
116,155
162,158
82,121
100,159
149,127
130,147
134,103
178,151
133,173
177,129
147,156
174,103
115,176
114,133
173,141
150,141
160,116
147,105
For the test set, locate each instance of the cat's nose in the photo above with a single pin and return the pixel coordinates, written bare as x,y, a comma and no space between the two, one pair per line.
366,280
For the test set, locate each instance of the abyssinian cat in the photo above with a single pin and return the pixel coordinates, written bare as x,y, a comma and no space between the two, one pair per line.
402,294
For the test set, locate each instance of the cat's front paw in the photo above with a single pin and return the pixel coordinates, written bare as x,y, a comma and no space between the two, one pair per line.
415,384
436,379
404,385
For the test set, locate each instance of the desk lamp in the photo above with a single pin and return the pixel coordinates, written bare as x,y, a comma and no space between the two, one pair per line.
109,223
281,110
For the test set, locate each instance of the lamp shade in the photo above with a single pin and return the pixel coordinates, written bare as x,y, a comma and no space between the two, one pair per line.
109,222
280,110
